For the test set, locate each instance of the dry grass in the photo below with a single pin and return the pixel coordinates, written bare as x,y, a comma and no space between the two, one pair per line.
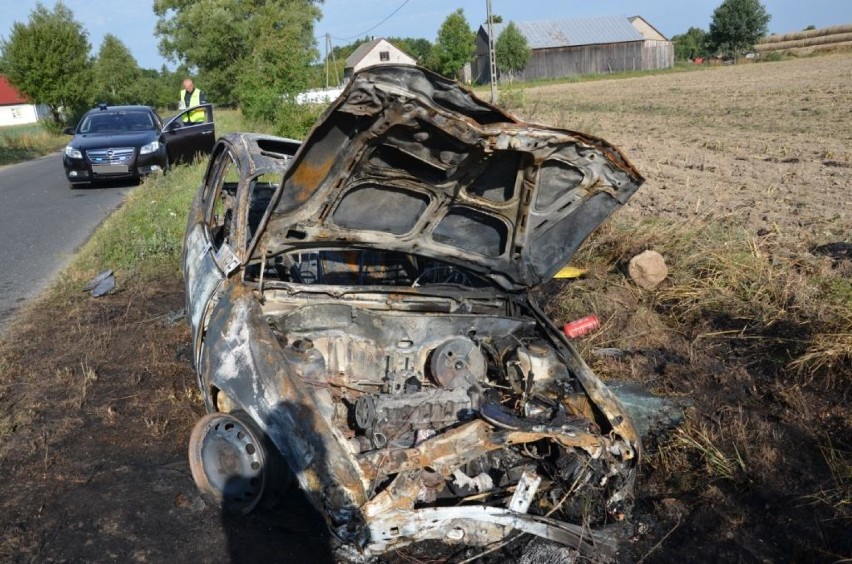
24,142
718,463
725,284
746,167
829,354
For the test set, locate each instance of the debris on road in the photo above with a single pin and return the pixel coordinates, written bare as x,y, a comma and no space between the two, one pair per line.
101,285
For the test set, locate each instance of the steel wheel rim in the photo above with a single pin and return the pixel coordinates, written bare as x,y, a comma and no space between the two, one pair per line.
228,462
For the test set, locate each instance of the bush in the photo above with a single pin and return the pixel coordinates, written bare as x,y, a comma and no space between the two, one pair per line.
296,120
512,97
771,57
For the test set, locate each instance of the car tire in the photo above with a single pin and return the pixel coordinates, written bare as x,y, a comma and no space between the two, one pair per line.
233,462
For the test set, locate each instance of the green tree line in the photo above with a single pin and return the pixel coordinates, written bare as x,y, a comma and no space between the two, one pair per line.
49,60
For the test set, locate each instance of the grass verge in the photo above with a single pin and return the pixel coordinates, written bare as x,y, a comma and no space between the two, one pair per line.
754,333
24,142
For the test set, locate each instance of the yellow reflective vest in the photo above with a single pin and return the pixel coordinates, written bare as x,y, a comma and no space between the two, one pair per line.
195,116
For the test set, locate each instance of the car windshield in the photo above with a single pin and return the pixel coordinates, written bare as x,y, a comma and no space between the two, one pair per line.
117,122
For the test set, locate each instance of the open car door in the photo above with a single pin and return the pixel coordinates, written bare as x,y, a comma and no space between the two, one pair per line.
190,133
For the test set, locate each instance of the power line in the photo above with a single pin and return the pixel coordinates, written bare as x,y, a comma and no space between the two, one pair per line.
366,31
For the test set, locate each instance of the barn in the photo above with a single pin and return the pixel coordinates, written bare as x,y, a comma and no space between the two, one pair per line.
570,47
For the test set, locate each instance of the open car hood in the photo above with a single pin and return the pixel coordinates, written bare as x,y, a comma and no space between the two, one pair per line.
409,161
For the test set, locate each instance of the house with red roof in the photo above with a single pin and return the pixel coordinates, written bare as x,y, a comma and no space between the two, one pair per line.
15,109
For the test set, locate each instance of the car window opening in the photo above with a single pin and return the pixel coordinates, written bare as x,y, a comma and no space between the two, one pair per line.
363,267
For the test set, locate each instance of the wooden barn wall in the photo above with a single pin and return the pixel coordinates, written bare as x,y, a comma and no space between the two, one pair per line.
585,59
603,58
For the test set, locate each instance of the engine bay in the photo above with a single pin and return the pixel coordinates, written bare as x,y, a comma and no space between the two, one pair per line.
390,381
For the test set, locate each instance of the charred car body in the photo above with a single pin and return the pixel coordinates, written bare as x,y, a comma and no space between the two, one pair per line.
359,307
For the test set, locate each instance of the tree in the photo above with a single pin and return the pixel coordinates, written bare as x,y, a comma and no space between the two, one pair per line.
690,44
157,88
221,38
115,73
47,60
736,26
512,51
496,19
267,79
454,46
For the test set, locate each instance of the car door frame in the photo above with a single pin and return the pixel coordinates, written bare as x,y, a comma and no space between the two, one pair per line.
184,139
206,267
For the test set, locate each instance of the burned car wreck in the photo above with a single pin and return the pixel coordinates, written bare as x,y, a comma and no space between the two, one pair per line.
361,317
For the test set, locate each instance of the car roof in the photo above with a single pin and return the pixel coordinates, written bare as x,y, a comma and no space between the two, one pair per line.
121,109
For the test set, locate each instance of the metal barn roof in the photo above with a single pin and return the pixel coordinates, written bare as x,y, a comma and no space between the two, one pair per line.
571,32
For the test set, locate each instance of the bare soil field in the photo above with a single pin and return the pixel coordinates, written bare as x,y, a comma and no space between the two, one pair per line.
769,144
97,396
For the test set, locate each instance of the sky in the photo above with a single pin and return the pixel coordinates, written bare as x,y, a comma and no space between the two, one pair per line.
345,20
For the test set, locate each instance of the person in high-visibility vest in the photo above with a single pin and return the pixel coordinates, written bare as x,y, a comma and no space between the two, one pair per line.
190,97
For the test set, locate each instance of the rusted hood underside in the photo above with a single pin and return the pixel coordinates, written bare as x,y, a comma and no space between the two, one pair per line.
407,160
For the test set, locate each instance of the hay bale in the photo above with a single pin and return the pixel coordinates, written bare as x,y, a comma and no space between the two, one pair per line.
811,42
800,35
818,48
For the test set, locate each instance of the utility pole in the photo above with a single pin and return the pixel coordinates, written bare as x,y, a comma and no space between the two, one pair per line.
492,60
329,50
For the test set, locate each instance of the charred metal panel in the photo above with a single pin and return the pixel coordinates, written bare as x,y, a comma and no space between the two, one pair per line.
450,176
244,361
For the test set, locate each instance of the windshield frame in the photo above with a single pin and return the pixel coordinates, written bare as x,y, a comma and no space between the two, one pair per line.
481,286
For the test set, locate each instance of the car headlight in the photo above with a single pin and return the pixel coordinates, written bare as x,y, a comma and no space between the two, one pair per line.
73,153
151,147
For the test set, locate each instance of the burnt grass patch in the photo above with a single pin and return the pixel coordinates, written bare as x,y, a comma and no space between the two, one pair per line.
97,399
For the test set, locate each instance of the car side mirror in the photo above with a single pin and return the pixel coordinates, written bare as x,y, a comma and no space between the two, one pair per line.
68,131
176,124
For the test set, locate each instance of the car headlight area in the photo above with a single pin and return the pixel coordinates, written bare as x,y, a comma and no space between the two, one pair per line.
151,147
73,153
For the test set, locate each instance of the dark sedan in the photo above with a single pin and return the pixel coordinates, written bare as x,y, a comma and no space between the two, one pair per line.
128,142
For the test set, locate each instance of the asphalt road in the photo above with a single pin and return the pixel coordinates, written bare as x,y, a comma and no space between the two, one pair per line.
42,223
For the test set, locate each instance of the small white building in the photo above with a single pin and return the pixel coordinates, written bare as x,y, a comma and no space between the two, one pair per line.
376,52
15,109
